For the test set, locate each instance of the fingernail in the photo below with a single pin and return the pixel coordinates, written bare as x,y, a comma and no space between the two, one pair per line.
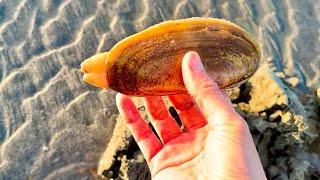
195,62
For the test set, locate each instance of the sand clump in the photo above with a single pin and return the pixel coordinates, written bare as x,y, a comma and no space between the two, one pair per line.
283,126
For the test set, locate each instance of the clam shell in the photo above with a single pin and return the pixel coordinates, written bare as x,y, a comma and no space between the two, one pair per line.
149,62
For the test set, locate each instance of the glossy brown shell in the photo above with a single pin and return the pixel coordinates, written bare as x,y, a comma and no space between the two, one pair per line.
149,62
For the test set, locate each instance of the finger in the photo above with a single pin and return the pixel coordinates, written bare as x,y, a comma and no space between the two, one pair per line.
205,91
188,111
149,144
164,124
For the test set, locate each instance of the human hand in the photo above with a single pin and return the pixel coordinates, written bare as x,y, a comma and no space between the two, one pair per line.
216,143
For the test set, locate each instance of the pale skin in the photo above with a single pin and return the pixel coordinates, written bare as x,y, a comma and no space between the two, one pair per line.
216,142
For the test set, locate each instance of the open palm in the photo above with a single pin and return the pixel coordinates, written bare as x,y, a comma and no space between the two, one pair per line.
215,142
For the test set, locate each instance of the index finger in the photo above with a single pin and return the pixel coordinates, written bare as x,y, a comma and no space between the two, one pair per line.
149,144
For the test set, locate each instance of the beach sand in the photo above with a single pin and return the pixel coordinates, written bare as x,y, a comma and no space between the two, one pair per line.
55,126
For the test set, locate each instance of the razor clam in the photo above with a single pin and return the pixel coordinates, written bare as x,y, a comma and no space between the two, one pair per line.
149,62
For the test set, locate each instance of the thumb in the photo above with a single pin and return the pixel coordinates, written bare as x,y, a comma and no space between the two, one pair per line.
204,90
